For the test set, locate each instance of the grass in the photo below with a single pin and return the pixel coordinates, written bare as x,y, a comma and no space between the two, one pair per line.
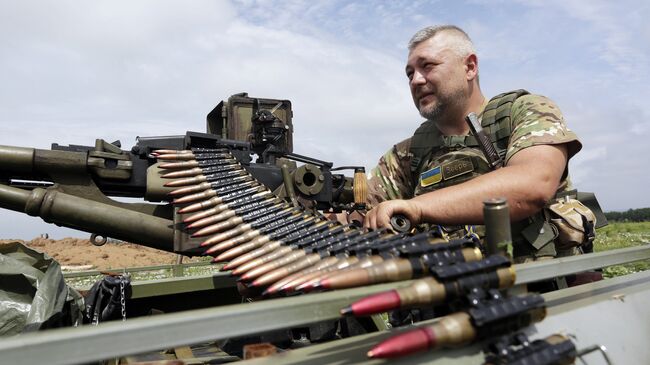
620,235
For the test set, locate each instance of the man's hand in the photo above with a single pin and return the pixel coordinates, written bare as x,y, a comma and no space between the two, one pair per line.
380,216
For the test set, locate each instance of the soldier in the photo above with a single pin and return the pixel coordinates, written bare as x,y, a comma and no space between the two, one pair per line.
440,177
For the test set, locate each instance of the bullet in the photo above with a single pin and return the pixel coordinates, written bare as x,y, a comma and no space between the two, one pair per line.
219,190
190,189
269,266
317,283
429,291
279,252
322,264
257,214
287,240
204,213
453,329
248,251
388,271
309,278
182,174
496,317
195,156
196,180
225,220
224,176
224,230
283,272
221,203
175,156
203,219
168,151
211,193
226,242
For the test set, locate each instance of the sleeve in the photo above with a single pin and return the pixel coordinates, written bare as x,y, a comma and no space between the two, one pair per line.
536,120
391,178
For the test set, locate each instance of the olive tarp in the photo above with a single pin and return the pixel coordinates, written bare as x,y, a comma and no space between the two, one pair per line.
33,293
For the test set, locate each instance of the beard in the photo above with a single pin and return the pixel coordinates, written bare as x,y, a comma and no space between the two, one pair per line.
444,103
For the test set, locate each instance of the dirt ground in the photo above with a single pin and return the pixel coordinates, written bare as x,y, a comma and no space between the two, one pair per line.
76,253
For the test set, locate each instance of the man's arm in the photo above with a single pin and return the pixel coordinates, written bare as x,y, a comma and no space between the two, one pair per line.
530,178
391,178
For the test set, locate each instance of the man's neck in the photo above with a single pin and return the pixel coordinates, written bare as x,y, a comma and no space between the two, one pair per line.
455,125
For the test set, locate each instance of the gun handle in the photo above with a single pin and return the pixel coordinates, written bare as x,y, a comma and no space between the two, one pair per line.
360,187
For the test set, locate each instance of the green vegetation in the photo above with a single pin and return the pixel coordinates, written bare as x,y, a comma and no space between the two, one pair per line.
620,235
631,215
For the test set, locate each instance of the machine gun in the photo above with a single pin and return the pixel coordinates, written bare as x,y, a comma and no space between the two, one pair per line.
70,185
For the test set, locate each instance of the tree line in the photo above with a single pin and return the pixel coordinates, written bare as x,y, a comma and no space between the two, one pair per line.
630,215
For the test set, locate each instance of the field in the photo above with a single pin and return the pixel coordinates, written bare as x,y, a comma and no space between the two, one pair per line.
620,235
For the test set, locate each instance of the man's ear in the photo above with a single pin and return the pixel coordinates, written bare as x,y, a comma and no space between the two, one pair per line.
471,67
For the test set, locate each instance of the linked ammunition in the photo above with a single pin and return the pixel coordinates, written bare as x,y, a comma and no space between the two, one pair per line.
244,252
204,164
493,318
447,283
219,189
247,212
310,275
414,261
294,255
263,215
322,264
317,283
192,151
196,180
223,202
286,270
182,174
195,156
274,230
224,198
214,173
281,251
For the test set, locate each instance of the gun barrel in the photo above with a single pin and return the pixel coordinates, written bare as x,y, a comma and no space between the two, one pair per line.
33,160
91,216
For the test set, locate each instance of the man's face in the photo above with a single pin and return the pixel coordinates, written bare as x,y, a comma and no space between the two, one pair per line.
436,77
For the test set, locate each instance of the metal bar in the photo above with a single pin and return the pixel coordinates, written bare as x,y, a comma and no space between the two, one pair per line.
80,274
177,285
85,344
560,303
548,269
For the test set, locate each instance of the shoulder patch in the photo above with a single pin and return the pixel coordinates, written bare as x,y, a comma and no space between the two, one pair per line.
431,177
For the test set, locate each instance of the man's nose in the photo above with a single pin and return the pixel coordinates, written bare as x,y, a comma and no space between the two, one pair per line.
418,79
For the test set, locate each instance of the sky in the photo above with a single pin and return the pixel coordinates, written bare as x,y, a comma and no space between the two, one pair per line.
74,71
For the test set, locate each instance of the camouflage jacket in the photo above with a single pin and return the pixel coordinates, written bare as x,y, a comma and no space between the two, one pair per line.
535,120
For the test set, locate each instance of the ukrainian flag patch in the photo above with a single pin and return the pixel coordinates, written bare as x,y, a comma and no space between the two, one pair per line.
431,177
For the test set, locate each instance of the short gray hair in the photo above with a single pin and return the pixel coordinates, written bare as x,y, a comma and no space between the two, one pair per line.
463,45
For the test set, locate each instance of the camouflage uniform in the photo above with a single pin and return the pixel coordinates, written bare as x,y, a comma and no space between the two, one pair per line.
535,120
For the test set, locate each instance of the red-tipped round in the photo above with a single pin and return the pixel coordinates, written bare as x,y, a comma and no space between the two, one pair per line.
418,340
377,303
